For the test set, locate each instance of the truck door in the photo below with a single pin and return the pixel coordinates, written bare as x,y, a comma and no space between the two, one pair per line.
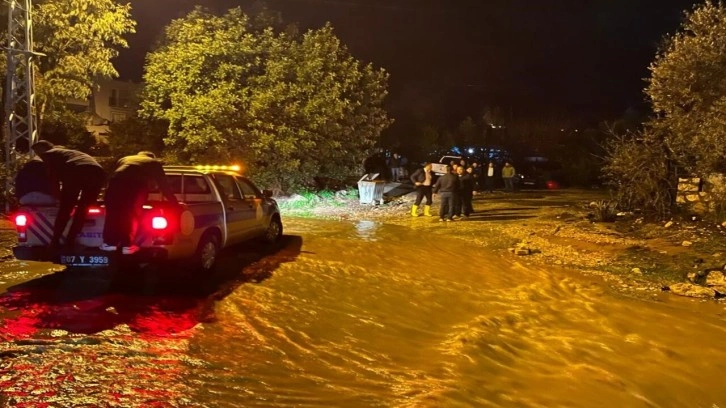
253,199
239,215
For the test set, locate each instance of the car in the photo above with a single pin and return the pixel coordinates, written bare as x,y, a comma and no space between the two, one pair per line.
221,208
540,176
439,168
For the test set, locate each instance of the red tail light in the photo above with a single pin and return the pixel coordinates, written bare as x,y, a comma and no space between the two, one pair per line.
21,220
94,210
21,223
159,223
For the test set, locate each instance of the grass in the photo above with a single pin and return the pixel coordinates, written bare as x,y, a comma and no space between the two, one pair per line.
306,201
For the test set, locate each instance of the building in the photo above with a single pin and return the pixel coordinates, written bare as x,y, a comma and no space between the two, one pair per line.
112,101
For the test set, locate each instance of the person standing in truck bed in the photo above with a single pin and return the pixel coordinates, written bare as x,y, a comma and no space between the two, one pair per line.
127,191
79,174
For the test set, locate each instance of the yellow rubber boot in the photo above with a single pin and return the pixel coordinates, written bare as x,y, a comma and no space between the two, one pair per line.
427,210
414,211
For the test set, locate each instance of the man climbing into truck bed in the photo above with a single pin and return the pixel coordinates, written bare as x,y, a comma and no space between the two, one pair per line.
127,191
78,173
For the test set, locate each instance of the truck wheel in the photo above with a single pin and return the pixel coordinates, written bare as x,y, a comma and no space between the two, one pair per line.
207,252
274,230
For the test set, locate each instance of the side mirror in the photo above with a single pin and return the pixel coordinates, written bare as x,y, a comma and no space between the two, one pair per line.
267,193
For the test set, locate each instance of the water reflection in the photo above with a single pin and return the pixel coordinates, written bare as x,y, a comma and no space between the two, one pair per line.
366,230
367,314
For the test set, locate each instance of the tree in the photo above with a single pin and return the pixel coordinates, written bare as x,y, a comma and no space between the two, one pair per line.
468,132
78,38
135,134
291,107
68,128
687,88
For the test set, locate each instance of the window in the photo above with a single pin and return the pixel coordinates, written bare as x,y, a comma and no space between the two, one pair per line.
227,187
173,181
248,191
120,98
195,185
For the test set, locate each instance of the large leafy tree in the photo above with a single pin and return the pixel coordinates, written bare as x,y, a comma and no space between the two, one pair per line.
79,38
687,88
290,106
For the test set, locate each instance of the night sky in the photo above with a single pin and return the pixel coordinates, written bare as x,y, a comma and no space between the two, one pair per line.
450,59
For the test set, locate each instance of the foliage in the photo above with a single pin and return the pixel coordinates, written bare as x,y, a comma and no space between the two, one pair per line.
78,39
604,210
687,88
63,127
291,107
308,199
135,134
639,172
468,132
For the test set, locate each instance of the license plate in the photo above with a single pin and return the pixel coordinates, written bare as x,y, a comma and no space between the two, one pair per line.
84,260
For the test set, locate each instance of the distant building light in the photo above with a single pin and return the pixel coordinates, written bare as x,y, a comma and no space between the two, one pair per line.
471,150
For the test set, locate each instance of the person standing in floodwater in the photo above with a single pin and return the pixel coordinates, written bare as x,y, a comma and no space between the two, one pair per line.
422,179
446,187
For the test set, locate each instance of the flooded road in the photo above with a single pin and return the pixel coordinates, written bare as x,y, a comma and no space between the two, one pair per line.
352,315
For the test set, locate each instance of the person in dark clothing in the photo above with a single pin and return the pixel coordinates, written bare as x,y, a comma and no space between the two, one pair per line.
476,174
423,180
446,187
127,191
34,185
78,173
466,194
376,163
395,166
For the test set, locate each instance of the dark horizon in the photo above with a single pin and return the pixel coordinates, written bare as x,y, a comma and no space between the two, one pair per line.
450,59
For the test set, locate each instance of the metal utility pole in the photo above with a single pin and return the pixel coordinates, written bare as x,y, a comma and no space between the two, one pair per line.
20,116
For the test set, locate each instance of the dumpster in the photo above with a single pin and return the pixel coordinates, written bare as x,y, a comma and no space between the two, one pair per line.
370,190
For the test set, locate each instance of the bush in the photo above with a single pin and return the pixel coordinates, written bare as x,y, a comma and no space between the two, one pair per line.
604,210
638,170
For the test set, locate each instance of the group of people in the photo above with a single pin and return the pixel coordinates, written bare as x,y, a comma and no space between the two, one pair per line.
392,168
455,188
73,179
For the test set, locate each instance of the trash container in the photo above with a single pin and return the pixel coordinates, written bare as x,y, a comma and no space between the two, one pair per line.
370,190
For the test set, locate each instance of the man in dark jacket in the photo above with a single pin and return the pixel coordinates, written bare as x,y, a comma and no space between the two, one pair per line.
34,185
422,179
78,173
446,187
466,194
128,189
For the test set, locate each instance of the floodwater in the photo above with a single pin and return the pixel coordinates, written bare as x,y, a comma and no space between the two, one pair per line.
352,315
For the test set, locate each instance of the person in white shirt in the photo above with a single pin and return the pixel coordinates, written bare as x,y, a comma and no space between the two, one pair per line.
489,180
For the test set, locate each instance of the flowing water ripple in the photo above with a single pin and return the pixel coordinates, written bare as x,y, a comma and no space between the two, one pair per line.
362,315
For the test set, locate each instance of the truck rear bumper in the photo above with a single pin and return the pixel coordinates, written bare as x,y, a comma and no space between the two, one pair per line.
89,257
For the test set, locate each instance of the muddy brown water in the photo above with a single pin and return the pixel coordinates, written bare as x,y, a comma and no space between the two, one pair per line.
352,314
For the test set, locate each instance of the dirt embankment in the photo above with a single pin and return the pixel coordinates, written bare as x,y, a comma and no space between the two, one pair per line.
556,228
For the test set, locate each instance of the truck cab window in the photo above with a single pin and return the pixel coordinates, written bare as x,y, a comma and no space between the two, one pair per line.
248,191
228,187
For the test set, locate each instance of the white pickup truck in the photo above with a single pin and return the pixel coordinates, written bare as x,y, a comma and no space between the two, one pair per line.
220,208
439,168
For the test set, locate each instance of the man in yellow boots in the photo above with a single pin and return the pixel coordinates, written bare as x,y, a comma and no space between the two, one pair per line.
422,179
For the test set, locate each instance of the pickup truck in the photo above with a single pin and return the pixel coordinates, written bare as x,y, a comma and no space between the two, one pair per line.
220,208
439,168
